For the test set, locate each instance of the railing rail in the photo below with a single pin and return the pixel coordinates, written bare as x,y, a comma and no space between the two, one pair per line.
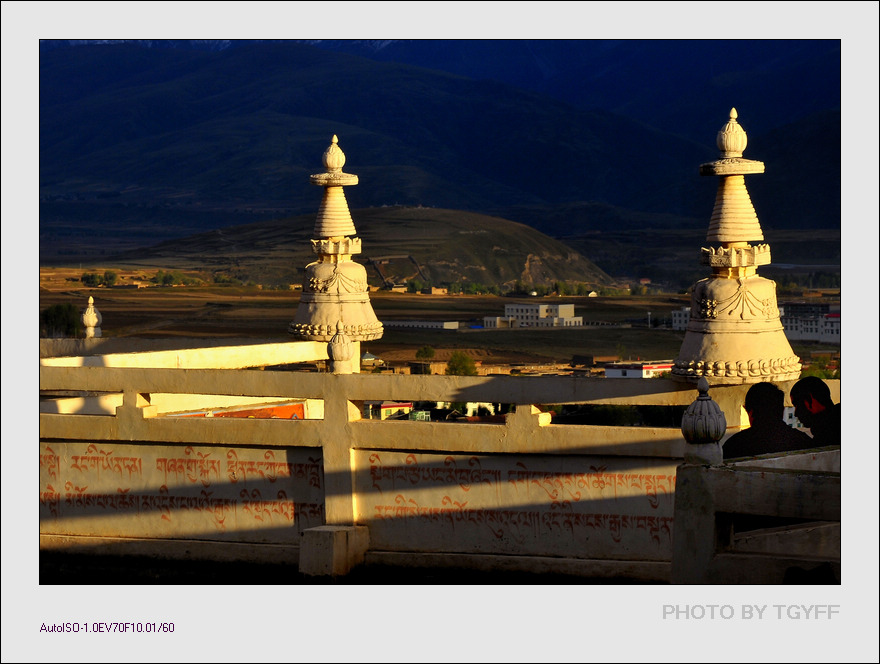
505,389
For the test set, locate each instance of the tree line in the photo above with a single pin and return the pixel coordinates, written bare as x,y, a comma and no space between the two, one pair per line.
94,279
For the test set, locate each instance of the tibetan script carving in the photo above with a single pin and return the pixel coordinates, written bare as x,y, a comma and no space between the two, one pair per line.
241,494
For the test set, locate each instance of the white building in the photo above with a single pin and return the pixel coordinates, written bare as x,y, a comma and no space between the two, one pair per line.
425,324
535,315
824,329
681,318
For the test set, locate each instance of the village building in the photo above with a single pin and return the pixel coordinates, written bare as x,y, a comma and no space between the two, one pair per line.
823,329
384,410
370,361
424,324
535,315
637,369
797,322
681,318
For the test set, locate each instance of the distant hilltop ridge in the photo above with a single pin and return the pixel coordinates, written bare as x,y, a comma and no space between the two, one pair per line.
436,246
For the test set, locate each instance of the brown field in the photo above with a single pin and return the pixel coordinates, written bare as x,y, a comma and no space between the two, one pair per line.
249,312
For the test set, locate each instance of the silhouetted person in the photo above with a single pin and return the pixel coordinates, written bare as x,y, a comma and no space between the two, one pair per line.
765,405
813,406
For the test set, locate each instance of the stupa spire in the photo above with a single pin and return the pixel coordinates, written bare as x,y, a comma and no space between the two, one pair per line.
334,218
735,334
733,219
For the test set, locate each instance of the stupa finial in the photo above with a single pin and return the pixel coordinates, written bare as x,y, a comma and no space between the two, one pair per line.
732,139
334,157
340,350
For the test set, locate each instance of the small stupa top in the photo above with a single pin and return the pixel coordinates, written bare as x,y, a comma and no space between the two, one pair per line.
91,319
731,141
334,160
334,218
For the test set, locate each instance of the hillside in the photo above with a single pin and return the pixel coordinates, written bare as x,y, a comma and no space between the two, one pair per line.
434,245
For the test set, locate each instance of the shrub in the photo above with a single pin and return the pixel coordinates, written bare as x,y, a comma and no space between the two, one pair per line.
461,365
91,279
60,320
425,353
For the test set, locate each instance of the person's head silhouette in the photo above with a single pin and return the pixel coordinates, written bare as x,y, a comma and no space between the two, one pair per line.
810,396
764,402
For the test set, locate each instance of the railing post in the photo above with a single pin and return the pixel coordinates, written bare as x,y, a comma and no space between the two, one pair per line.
336,447
337,547
526,416
703,425
695,533
130,415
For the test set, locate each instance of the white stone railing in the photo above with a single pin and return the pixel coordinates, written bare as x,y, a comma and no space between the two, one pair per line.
593,500
771,519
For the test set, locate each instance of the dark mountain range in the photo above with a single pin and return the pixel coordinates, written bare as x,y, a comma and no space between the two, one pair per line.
673,85
147,141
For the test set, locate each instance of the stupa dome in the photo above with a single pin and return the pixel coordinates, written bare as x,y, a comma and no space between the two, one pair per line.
732,139
334,157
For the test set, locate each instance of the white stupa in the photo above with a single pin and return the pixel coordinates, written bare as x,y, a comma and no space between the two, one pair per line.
335,303
735,334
